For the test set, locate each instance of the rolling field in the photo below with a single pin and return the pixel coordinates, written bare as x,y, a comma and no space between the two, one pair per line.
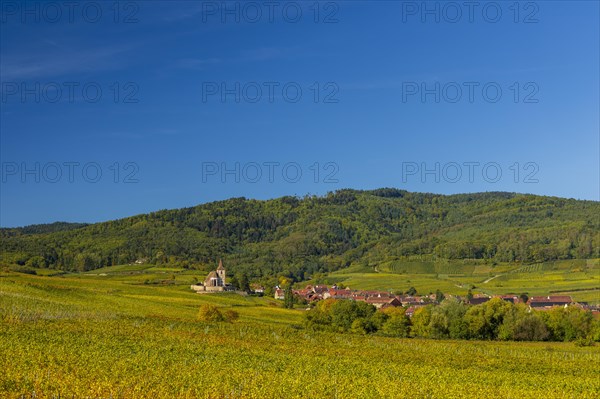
578,278
111,335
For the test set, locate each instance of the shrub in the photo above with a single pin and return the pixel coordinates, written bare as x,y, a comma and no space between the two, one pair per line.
23,269
584,342
210,314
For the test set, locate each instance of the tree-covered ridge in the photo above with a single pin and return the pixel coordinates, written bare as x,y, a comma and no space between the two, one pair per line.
44,228
297,237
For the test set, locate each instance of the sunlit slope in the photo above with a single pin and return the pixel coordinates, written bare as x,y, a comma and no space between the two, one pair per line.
113,336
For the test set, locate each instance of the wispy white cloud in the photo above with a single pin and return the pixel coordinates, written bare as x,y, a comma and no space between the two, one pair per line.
57,61
248,55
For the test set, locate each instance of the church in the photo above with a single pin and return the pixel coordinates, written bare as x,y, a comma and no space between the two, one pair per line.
214,282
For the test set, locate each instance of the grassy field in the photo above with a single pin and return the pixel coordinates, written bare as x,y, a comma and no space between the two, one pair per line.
578,278
106,334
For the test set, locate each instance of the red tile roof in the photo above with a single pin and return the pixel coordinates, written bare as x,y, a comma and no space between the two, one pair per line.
551,299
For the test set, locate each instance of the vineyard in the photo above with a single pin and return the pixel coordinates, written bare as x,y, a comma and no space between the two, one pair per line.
469,267
579,278
112,336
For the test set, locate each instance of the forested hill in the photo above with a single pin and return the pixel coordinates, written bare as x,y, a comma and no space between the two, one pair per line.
300,236
46,228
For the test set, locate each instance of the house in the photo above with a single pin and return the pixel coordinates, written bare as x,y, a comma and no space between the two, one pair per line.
214,282
411,300
549,301
410,311
307,294
378,294
478,299
320,289
382,303
257,288
337,294
279,293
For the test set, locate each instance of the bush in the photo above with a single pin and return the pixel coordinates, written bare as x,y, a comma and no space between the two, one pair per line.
584,342
23,269
211,314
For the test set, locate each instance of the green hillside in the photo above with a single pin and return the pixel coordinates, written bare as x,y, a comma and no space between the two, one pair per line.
299,237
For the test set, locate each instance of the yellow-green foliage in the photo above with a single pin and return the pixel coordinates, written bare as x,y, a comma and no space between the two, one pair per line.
211,313
98,337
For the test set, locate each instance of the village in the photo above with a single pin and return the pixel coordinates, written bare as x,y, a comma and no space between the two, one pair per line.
215,282
382,299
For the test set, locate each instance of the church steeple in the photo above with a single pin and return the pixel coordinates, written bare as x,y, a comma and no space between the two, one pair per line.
221,271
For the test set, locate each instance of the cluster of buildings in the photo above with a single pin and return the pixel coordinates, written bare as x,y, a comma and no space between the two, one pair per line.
216,282
543,302
379,299
311,293
382,299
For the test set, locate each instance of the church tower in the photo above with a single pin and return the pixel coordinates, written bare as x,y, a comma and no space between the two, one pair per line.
221,272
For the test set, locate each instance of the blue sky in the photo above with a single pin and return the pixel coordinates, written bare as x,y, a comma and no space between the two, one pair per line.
162,97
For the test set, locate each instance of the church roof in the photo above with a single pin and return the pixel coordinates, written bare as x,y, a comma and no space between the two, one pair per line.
220,265
212,274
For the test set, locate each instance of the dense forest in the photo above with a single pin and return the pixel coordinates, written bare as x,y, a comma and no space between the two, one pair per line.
297,237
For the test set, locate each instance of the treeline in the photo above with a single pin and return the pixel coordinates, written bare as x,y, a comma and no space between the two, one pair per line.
45,228
296,237
452,319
